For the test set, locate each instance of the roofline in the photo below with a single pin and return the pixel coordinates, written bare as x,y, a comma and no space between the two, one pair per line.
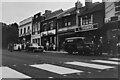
76,38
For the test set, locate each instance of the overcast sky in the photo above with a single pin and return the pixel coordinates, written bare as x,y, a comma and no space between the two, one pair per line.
17,11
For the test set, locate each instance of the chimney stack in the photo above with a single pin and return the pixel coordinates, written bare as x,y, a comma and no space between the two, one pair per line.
78,4
88,3
48,11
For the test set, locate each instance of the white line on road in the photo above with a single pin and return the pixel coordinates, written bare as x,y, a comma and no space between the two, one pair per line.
10,73
55,69
116,59
105,61
83,64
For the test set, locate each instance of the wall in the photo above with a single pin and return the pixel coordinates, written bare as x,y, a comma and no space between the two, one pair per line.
109,9
98,17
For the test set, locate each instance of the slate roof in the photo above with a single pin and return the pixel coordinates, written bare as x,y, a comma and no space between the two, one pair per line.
84,10
91,9
54,14
67,12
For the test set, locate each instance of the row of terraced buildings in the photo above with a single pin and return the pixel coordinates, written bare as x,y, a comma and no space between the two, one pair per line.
92,20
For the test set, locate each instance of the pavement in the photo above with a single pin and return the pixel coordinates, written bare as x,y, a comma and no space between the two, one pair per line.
56,51
62,51
104,54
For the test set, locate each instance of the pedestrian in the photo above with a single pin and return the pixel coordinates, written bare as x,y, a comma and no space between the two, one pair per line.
27,45
54,47
100,46
47,45
11,47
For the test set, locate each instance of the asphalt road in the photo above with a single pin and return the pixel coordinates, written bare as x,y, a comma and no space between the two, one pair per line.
57,65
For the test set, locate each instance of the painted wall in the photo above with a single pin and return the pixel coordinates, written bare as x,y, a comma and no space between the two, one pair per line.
109,9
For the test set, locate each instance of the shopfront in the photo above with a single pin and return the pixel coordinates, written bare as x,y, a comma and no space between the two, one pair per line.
112,30
89,31
48,37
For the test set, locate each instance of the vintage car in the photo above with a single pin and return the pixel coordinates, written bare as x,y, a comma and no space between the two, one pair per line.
34,47
17,47
80,45
14,47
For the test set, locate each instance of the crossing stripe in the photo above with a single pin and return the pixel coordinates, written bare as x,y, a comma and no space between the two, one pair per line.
10,73
116,59
56,69
0,73
90,65
105,61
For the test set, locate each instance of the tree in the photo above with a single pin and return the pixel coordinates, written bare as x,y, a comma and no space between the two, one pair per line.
9,34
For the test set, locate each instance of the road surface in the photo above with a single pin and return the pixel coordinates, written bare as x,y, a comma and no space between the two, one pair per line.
57,65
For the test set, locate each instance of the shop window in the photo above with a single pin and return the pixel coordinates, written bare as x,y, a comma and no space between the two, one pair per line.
69,23
65,23
86,20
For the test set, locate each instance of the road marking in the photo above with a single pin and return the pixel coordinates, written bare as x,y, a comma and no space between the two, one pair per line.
14,65
0,73
90,65
105,61
50,77
116,59
10,73
89,72
55,69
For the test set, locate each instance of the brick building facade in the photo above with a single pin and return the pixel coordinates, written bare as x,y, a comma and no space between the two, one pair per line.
82,21
49,28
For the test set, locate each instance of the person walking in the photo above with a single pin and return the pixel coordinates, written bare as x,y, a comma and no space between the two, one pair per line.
47,45
54,47
11,47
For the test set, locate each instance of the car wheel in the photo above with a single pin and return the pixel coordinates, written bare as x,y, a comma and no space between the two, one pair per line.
70,52
41,50
80,52
34,51
88,52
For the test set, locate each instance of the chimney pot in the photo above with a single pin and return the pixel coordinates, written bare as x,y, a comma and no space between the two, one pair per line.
78,4
88,3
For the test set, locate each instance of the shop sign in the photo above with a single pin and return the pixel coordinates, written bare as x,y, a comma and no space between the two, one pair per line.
52,32
62,29
45,33
67,29
88,27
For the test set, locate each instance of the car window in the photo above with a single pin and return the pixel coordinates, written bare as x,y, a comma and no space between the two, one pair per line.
88,41
69,41
35,44
74,40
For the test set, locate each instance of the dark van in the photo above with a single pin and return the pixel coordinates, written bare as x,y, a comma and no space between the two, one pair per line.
81,45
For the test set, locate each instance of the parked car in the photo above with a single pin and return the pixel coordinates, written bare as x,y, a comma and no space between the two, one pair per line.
17,47
81,45
10,47
35,47
14,47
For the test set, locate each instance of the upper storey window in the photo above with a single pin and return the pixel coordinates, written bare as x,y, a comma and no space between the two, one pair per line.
87,20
